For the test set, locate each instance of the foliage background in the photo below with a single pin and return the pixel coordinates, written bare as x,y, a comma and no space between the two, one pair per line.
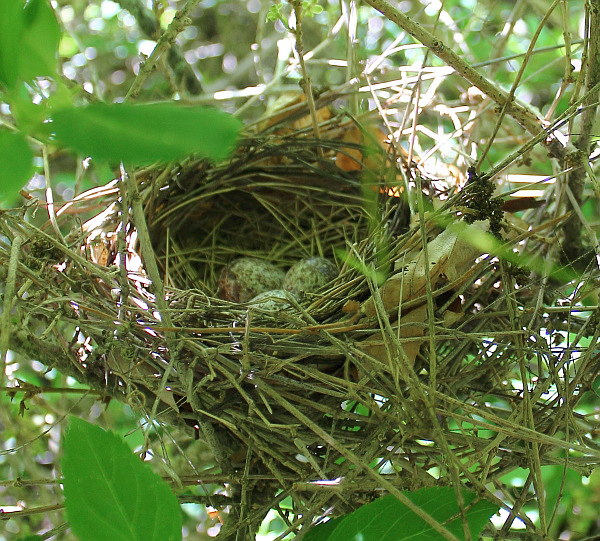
236,54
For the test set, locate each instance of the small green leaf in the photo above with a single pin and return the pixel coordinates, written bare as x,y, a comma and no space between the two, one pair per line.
387,519
274,13
146,133
16,163
110,495
41,35
596,386
11,30
311,8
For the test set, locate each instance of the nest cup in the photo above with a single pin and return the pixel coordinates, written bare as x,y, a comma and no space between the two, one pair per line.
264,387
257,207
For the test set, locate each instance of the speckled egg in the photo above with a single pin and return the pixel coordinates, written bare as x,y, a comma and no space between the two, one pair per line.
274,300
309,275
246,277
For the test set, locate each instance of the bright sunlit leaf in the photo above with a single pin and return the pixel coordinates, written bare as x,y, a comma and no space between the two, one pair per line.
146,133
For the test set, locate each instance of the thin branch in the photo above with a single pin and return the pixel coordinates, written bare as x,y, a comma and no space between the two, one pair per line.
9,295
306,83
579,157
179,22
6,515
148,24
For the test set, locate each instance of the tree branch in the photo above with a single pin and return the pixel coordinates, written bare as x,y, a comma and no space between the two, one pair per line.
579,157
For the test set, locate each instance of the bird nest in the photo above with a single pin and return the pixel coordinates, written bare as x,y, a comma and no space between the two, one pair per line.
435,356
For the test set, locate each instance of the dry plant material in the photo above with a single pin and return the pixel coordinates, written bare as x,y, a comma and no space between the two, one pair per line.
447,260
290,114
367,149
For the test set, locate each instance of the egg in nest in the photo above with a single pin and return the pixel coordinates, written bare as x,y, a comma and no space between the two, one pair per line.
246,277
309,275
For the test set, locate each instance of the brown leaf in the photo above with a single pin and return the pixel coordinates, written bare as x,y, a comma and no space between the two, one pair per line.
350,159
372,154
450,258
453,245
378,344
409,283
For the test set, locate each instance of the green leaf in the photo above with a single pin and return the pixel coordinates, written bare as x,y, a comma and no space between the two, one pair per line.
110,495
11,29
323,531
29,37
560,484
146,133
41,36
311,8
387,519
274,12
16,163
29,116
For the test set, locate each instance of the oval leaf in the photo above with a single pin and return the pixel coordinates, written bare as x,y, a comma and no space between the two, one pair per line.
146,133
387,519
110,495
16,163
11,30
41,35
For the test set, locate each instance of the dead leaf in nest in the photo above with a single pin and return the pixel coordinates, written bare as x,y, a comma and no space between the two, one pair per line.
288,106
450,257
410,283
351,307
371,156
100,252
411,326
454,244
453,314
